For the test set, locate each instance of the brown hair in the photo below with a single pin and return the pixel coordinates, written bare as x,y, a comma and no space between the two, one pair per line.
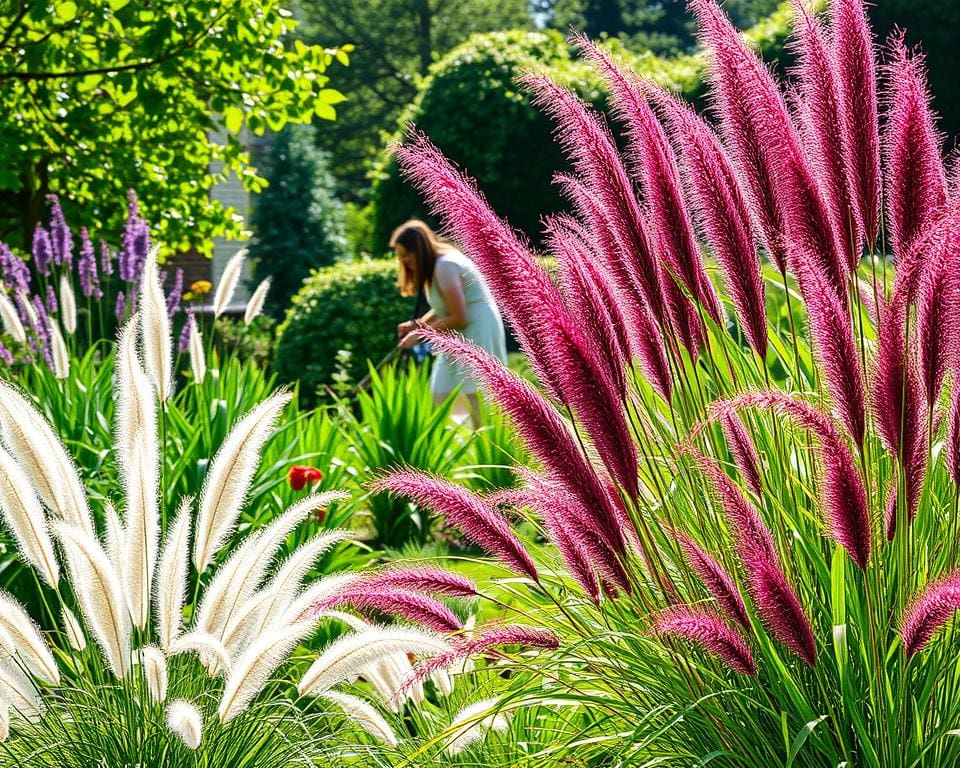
425,246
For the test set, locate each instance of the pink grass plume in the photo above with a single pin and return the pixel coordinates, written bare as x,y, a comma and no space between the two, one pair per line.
780,611
953,431
710,633
414,607
431,580
715,578
929,612
743,451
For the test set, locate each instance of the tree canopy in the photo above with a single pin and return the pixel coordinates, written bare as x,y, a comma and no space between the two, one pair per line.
104,95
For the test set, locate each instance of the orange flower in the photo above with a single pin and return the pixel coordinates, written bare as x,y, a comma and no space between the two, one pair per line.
200,287
300,475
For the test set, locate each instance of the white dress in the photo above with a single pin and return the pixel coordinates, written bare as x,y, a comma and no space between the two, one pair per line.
484,325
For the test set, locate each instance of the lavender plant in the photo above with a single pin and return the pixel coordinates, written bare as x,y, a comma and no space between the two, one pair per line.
748,428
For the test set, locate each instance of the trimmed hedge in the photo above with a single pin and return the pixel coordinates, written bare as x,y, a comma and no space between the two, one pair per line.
355,306
472,109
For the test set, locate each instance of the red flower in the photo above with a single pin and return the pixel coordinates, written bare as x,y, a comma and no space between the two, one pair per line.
300,475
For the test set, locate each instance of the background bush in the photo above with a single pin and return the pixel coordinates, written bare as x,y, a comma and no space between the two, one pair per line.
353,306
298,222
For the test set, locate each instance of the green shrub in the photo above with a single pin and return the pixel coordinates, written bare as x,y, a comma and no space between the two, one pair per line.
353,306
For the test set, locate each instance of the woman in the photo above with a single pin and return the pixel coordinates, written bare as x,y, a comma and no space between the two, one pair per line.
459,301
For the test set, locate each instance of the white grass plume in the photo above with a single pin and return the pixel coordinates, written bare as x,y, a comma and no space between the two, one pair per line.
28,308
302,605
443,682
114,536
19,691
213,655
471,722
98,590
135,397
7,648
32,442
73,629
185,720
24,516
242,573
154,666
171,577
58,348
4,720
346,656
253,669
257,300
11,320
156,346
142,531
363,715
198,358
31,648
287,581
228,282
229,476
68,305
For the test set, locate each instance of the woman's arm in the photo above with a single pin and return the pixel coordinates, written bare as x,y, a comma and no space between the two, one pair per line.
450,285
409,325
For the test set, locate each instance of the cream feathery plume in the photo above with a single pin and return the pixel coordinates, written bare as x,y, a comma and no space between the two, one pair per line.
227,284
246,623
58,347
68,305
344,657
156,346
303,605
31,648
185,721
198,358
32,442
19,691
142,532
11,321
288,580
442,680
363,715
27,305
471,722
73,630
255,305
21,509
135,397
171,576
4,720
114,536
7,648
100,595
253,669
241,574
154,665
213,655
228,478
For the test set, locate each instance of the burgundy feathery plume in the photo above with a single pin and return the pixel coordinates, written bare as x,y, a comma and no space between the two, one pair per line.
715,578
929,612
854,57
757,126
938,304
844,496
916,182
421,609
435,580
721,210
587,294
751,536
743,450
953,431
659,178
480,523
831,330
572,367
710,633
780,611
824,125
573,556
542,429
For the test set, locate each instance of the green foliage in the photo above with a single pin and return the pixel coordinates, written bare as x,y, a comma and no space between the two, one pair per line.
354,305
233,337
298,222
103,97
396,42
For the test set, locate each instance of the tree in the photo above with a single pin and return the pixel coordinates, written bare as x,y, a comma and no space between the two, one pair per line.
396,43
104,95
298,222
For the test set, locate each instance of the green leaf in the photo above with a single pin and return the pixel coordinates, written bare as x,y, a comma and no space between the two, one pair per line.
801,738
331,96
324,111
64,11
233,119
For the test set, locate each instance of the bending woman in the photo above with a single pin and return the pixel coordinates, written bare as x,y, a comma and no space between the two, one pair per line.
459,301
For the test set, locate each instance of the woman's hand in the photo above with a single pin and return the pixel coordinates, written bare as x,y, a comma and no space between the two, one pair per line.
409,341
404,328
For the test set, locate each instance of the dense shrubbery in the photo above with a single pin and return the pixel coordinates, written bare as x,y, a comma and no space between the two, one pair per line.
354,306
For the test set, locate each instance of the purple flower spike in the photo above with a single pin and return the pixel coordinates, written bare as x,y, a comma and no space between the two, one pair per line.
185,332
15,274
175,294
136,242
52,307
42,250
106,259
5,354
87,267
43,331
121,307
60,235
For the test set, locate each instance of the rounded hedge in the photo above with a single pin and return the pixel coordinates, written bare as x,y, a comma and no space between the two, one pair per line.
354,305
